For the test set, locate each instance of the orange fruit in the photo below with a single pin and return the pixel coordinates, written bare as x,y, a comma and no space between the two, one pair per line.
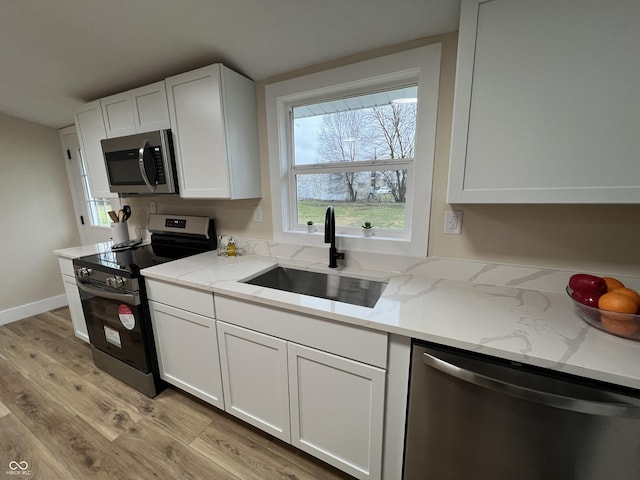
619,326
612,283
627,291
617,302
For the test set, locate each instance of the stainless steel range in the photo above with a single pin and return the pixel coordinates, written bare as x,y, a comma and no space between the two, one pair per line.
114,299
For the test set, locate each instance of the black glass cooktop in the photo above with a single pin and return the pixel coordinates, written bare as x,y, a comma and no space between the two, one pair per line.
125,262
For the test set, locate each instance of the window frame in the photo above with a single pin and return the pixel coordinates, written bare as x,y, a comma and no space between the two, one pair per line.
91,203
419,66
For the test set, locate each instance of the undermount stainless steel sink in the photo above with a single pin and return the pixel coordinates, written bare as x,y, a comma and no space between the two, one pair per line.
356,291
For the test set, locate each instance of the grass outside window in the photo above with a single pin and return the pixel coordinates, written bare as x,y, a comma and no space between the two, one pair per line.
386,214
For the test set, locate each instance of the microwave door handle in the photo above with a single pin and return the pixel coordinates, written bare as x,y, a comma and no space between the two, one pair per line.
143,171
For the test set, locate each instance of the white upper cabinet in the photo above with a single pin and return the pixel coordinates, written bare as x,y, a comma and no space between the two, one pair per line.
90,128
136,111
214,125
118,115
546,103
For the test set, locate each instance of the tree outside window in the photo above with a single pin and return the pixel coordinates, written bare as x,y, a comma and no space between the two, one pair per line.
357,153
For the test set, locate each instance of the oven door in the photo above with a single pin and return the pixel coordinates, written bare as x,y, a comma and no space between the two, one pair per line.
115,322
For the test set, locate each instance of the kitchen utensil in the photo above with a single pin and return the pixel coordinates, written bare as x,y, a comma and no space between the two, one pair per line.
113,216
120,216
127,212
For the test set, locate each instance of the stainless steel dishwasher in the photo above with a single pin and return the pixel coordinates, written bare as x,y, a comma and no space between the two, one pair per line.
476,417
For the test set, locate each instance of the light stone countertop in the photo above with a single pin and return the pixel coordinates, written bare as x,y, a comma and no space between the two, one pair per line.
81,251
517,313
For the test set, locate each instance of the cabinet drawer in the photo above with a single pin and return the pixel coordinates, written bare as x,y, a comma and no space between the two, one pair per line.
195,301
368,346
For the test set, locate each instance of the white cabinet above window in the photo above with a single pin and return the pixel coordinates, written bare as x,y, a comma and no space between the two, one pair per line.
215,132
546,105
139,110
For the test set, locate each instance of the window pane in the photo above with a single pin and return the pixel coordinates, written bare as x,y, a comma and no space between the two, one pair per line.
374,196
97,207
375,126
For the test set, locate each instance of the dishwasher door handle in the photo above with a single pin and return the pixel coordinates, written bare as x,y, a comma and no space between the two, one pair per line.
591,407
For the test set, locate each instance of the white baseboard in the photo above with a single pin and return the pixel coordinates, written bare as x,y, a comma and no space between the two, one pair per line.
30,309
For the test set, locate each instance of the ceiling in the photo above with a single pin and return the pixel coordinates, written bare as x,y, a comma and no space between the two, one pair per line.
57,55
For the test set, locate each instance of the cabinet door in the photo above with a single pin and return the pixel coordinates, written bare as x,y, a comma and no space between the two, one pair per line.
90,127
186,344
337,410
139,110
254,374
546,106
198,127
149,106
75,308
117,113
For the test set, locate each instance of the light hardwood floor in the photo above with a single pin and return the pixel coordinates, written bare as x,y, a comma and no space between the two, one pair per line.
68,420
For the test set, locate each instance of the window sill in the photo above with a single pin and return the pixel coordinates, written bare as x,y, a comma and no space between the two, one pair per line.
359,243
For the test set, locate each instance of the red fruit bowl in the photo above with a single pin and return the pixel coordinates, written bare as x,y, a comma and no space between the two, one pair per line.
625,325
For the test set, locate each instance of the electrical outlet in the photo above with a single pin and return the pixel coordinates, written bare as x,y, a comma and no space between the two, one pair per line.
257,214
152,207
453,222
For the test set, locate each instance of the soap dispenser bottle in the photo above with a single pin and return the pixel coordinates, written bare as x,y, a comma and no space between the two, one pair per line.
231,247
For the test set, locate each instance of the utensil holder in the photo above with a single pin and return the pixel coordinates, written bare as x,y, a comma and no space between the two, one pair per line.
119,232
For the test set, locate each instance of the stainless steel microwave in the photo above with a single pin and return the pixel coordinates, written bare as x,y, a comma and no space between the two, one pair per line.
141,164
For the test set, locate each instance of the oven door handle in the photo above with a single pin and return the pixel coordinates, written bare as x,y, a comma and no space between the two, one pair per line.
591,407
129,298
143,171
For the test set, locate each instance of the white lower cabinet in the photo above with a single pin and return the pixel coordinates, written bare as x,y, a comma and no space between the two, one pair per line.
187,353
254,375
186,341
337,410
330,406
73,299
285,373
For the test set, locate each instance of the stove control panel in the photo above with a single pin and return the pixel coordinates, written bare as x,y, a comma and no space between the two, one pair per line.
82,272
115,282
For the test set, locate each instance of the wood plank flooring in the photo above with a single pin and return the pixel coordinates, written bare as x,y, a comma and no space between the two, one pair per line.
69,420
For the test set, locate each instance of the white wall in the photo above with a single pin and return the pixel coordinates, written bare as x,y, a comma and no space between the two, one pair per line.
37,214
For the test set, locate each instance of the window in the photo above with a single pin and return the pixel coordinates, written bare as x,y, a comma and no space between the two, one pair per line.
96,207
354,153
360,138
